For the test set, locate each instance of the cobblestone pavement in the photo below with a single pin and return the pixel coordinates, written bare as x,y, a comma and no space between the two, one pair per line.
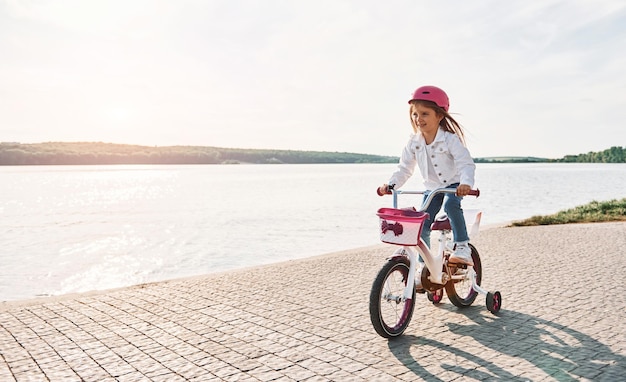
564,299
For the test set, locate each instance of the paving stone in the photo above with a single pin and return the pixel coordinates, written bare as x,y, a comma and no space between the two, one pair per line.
308,320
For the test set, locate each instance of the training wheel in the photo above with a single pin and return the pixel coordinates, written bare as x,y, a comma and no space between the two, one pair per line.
436,296
494,301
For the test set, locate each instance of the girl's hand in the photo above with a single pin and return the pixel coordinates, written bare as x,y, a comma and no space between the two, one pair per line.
463,190
382,190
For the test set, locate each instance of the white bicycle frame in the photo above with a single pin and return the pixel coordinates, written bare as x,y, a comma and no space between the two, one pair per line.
431,261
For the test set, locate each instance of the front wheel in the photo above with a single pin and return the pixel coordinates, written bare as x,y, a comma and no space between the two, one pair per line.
460,292
390,314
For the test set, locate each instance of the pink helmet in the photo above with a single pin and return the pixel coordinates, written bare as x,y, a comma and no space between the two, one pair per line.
432,93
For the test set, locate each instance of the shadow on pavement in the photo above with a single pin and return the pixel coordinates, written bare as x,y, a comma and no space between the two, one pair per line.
563,353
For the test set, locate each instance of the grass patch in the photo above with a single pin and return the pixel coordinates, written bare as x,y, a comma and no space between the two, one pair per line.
612,210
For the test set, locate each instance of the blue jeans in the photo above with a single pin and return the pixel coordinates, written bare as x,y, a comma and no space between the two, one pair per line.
452,208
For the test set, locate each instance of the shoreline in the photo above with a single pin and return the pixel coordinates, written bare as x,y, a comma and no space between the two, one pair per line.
4,305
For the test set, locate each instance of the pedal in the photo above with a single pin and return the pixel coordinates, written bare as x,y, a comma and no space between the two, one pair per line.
455,268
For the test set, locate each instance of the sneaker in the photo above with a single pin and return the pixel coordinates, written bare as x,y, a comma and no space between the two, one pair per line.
462,255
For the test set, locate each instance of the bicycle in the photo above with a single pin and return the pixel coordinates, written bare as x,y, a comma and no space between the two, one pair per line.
392,298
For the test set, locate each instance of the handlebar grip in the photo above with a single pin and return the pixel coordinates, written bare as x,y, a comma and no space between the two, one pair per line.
381,194
475,192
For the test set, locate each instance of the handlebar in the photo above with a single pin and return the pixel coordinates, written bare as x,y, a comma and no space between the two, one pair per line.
475,193
430,197
382,193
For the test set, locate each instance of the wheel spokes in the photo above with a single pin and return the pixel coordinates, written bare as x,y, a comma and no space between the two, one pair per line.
393,298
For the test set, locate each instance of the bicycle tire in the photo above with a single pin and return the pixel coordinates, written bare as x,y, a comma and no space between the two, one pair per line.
460,293
389,315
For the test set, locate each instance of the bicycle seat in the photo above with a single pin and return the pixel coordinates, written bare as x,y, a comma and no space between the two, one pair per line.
441,223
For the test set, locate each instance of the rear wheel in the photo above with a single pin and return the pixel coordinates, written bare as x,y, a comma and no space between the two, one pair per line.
389,313
460,292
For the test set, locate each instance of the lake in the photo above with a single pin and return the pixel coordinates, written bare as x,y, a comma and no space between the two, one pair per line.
67,229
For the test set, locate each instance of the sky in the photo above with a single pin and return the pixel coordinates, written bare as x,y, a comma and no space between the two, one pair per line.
525,78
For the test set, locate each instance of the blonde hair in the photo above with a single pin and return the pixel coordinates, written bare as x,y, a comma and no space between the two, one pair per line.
447,122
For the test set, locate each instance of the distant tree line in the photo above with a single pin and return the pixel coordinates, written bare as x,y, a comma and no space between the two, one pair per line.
511,160
615,154
91,153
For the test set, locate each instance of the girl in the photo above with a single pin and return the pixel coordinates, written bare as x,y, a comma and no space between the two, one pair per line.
437,147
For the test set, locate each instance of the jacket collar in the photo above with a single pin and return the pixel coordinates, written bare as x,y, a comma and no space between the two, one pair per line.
440,137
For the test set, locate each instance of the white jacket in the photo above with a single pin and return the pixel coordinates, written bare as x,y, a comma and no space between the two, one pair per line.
451,161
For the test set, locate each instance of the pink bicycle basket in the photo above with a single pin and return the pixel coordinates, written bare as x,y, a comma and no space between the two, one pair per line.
400,226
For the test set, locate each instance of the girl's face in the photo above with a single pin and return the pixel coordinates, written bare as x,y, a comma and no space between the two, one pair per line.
425,119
